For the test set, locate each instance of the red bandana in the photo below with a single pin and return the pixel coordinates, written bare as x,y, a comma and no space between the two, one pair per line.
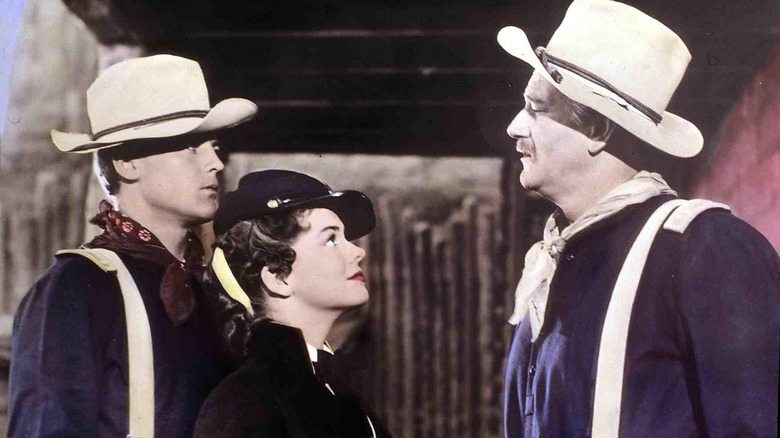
126,236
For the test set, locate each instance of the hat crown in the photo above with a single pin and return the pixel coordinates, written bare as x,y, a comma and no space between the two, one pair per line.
142,88
632,51
275,190
282,183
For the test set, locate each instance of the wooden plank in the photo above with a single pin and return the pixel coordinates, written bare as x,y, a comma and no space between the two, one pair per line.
22,263
388,221
477,48
442,388
424,340
77,195
488,403
462,327
452,325
43,217
424,84
378,367
397,131
472,288
406,300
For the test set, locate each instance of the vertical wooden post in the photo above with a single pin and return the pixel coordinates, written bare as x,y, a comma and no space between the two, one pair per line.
487,321
77,194
406,295
462,331
388,222
425,304
472,306
378,369
452,326
441,329
23,245
43,218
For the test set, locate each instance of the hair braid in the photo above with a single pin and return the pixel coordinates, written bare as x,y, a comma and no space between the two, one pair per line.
249,246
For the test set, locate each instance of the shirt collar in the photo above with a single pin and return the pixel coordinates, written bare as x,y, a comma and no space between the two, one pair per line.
313,351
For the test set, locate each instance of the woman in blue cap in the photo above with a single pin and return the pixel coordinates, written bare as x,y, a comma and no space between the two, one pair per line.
282,272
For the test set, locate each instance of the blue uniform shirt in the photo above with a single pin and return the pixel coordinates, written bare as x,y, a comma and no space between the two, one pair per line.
69,355
702,357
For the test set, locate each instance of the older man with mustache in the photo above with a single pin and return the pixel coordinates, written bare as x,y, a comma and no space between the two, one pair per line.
639,314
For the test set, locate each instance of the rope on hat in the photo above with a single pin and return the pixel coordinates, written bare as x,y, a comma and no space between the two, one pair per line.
548,59
229,282
541,52
157,119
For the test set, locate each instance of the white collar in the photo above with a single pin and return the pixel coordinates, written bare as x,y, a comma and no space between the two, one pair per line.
313,351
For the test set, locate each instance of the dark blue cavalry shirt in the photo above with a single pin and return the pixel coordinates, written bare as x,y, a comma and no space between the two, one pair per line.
69,355
703,342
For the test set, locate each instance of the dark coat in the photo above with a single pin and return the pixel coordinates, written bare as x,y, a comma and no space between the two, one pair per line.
69,355
703,342
276,394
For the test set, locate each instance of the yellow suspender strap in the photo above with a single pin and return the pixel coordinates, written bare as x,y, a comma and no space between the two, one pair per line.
614,335
139,343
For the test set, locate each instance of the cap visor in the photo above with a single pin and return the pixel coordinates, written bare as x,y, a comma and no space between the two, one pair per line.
353,208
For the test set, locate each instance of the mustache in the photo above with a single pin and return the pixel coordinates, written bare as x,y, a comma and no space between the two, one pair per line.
525,146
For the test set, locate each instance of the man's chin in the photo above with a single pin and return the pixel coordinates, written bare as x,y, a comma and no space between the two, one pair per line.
527,182
198,220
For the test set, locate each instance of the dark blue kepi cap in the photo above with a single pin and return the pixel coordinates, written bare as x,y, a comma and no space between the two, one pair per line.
269,191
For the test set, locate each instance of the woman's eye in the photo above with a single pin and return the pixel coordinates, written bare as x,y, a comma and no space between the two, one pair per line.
192,148
331,242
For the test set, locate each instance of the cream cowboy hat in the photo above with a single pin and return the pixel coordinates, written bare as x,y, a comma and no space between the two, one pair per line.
153,97
620,62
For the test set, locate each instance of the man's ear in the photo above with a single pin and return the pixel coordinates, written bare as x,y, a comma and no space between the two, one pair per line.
601,136
128,170
275,284
595,147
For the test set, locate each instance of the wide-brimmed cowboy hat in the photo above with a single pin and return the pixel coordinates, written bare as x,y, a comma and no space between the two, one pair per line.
275,190
153,97
620,62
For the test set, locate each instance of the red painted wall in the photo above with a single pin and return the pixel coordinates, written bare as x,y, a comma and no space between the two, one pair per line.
745,170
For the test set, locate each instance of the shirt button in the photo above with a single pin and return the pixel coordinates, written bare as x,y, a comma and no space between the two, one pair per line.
569,256
531,370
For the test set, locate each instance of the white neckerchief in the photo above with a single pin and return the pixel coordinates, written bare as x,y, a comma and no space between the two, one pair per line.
541,260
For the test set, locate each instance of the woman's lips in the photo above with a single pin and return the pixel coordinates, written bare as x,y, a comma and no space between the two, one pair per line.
358,277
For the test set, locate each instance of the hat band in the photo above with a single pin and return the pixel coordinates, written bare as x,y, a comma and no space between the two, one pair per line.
163,118
623,99
228,280
298,198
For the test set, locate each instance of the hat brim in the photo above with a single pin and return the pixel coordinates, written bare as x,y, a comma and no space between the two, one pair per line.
353,208
225,114
674,135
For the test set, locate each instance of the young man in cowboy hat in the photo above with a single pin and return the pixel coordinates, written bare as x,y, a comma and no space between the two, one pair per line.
639,314
110,341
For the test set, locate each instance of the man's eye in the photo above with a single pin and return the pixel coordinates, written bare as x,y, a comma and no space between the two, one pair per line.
192,148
